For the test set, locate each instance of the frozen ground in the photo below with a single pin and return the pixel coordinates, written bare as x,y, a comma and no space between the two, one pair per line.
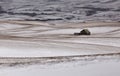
29,47
57,40
32,48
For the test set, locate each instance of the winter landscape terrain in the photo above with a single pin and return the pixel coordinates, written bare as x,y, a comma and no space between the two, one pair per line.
37,38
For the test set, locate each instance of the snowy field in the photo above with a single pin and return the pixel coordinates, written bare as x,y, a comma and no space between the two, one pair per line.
57,40
67,69
31,48
37,38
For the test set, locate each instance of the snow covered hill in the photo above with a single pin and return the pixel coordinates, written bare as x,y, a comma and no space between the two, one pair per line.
32,48
60,10
29,47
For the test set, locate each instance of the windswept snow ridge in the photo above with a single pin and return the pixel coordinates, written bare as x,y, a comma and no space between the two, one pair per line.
54,46
36,39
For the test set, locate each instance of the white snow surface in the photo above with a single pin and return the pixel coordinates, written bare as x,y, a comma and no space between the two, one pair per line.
54,40
29,47
18,39
67,69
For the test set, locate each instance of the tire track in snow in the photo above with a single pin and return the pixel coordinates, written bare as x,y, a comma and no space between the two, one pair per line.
14,61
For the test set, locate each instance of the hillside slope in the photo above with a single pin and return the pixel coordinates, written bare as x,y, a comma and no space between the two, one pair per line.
60,10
